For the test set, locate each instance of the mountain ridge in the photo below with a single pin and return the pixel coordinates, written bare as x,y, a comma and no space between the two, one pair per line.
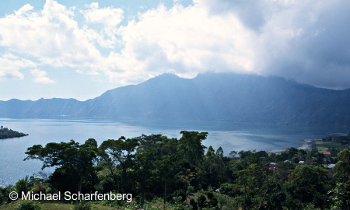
227,97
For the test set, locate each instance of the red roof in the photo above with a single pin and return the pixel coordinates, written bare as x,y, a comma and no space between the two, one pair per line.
326,153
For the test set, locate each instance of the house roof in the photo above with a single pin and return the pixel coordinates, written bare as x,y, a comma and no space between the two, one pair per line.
330,165
326,153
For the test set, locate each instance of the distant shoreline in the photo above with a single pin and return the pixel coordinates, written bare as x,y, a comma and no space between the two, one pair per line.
6,133
307,145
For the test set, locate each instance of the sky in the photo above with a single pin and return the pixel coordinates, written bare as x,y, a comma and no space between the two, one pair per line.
80,49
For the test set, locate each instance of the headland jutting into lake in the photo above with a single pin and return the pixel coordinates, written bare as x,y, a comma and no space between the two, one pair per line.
6,133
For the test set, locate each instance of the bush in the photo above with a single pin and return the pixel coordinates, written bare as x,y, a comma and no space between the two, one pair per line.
213,202
4,194
231,190
82,206
28,205
202,201
210,195
23,185
189,190
193,203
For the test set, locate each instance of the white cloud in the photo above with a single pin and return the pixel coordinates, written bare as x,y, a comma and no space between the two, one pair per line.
23,10
109,18
51,35
40,77
303,40
11,66
186,41
307,41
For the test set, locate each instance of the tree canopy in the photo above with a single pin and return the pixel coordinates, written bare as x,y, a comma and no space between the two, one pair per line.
186,173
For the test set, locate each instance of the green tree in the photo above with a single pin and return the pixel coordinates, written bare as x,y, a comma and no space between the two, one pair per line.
314,156
251,180
220,152
342,167
340,196
4,194
308,184
120,154
145,156
202,201
158,159
191,146
23,185
213,170
74,161
210,151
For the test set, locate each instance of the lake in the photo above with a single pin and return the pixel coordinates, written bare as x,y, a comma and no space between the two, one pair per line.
230,136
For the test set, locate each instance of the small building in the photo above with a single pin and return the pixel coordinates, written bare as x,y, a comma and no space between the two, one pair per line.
326,154
330,171
272,165
330,166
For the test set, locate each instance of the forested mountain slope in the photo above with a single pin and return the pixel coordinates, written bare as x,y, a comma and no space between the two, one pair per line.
232,97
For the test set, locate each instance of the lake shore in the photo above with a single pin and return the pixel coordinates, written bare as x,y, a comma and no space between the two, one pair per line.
307,145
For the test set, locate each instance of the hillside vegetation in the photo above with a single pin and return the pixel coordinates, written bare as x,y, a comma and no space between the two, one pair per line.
157,172
228,97
9,133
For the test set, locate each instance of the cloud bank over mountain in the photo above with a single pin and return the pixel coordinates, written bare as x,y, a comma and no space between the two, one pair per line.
302,40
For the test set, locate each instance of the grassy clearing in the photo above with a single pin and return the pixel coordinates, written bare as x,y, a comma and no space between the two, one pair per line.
224,202
56,206
323,146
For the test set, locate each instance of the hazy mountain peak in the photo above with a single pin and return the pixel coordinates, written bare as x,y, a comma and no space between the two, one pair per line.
166,77
229,97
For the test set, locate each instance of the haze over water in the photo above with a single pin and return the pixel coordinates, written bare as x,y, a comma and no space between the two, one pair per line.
230,136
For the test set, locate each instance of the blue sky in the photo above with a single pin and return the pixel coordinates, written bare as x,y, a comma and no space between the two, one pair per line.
79,49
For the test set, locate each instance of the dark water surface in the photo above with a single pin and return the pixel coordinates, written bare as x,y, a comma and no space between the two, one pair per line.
230,136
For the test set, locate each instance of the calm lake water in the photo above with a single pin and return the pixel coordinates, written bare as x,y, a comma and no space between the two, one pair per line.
230,136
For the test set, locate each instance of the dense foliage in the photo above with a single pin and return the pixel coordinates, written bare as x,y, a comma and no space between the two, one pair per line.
184,173
9,133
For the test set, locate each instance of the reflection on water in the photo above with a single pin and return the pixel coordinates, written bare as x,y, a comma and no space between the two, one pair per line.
230,136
